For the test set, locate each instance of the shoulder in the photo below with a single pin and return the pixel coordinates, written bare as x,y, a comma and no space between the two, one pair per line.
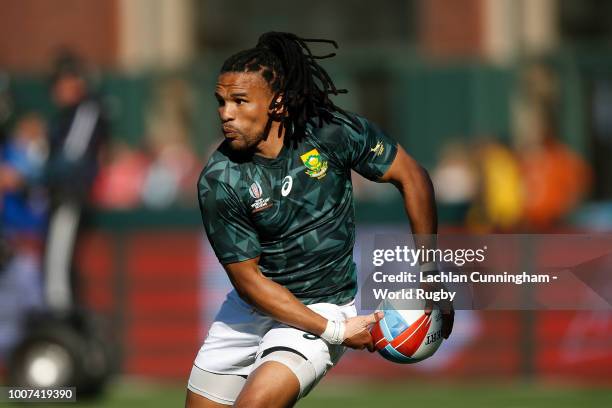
342,135
339,125
334,134
223,169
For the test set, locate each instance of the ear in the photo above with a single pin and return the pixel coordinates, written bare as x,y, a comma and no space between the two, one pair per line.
277,108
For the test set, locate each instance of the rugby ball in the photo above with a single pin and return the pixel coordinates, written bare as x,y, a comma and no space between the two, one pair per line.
407,336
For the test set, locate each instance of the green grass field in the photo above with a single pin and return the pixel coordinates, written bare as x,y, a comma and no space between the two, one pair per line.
362,395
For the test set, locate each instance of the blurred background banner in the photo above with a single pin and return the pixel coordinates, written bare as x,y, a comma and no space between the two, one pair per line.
107,117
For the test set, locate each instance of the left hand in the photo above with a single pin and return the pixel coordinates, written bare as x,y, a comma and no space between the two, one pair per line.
357,334
446,307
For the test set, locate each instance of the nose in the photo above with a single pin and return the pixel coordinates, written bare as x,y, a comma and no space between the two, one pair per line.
225,113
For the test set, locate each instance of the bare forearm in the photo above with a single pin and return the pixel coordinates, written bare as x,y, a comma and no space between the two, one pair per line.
277,302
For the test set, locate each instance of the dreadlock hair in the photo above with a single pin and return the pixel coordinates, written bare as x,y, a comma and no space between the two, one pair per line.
291,70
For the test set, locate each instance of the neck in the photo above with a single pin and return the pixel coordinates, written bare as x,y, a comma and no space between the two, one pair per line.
272,145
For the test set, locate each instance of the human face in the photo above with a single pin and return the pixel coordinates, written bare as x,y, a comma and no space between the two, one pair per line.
244,100
68,90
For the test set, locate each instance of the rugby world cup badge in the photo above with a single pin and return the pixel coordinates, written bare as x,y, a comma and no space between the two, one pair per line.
255,190
315,165
260,203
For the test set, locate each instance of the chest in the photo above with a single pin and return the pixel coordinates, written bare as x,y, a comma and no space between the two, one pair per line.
297,191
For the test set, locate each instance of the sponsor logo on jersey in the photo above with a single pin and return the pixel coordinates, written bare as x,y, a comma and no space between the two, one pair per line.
317,167
378,149
260,203
287,184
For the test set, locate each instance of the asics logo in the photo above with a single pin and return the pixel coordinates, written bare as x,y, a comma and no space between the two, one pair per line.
287,184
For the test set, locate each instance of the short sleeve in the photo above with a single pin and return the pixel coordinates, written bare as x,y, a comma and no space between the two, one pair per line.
229,230
370,151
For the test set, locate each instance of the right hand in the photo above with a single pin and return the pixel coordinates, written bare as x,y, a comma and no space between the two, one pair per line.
446,307
357,331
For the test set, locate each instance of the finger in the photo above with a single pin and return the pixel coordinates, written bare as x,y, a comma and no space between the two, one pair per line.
373,318
446,307
448,321
370,344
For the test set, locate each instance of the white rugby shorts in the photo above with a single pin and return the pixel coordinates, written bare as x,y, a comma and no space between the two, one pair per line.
241,336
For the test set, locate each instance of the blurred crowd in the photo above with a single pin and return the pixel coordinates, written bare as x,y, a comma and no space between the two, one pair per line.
497,188
159,173
529,181
529,184
162,171
55,167
68,157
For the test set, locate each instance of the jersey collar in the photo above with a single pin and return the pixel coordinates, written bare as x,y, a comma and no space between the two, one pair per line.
272,161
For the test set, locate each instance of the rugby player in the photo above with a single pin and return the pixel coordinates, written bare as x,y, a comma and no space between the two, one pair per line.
277,205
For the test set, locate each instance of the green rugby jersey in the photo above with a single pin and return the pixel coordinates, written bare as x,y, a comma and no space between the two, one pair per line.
295,211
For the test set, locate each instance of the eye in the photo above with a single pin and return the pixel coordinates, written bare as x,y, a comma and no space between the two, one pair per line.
240,101
220,101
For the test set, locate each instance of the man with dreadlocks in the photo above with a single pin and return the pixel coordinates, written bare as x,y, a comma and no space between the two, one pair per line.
277,205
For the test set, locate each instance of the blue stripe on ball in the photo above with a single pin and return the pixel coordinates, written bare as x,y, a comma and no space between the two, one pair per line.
385,329
395,323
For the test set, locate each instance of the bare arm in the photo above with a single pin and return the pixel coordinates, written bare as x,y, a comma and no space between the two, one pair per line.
416,188
277,302
271,298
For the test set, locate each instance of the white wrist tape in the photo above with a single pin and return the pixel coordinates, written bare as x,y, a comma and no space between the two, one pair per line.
334,332
429,268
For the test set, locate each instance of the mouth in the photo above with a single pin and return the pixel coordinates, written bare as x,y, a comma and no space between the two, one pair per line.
229,132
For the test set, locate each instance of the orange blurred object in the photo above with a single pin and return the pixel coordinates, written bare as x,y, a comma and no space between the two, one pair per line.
555,179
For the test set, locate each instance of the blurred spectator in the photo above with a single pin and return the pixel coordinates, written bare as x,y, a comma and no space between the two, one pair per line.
534,105
500,200
77,133
555,178
166,175
20,293
455,179
77,138
24,216
23,157
174,168
120,183
169,115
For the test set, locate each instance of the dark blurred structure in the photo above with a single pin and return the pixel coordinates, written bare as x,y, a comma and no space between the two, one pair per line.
6,105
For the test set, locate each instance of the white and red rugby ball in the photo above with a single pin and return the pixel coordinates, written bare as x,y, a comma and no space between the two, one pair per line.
407,336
